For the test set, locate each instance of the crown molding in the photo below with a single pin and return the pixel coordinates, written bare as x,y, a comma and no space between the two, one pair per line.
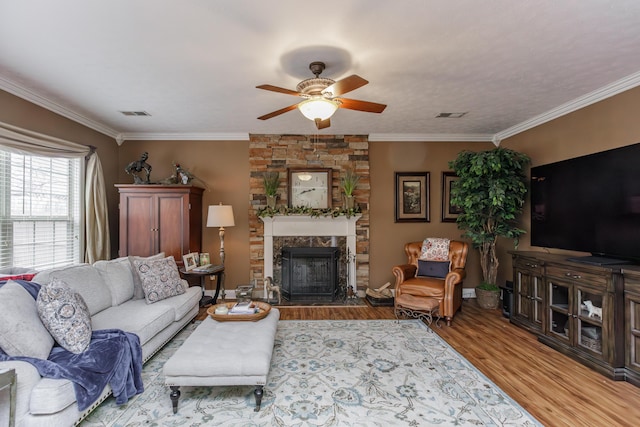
597,95
605,92
43,102
436,137
146,136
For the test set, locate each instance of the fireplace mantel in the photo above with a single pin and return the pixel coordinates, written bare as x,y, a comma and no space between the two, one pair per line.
304,225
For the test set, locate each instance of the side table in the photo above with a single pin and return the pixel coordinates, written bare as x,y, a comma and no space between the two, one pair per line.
8,379
214,270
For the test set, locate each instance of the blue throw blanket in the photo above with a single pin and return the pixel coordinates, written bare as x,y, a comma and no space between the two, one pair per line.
113,357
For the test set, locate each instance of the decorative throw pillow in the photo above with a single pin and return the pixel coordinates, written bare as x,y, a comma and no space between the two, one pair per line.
21,331
438,269
138,292
66,316
160,278
435,249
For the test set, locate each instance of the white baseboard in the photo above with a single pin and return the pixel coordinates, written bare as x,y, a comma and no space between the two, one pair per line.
468,293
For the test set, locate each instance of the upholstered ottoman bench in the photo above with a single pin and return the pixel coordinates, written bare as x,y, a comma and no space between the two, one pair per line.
224,354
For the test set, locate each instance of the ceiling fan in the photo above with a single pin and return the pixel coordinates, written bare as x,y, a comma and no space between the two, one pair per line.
322,97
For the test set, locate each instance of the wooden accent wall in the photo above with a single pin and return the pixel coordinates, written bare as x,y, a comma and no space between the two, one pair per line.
279,152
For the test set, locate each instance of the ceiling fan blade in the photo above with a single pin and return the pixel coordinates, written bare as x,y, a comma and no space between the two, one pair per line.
369,107
279,89
321,124
278,112
345,85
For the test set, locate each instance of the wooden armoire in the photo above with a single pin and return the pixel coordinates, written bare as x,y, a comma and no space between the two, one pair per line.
160,218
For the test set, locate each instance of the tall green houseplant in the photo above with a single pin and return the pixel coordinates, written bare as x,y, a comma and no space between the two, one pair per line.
490,192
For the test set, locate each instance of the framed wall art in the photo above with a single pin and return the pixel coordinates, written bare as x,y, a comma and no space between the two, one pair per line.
412,197
450,212
309,187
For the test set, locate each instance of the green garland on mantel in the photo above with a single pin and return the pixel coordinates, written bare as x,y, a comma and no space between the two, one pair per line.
304,210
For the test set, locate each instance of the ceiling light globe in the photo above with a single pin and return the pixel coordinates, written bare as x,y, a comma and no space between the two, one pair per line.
318,108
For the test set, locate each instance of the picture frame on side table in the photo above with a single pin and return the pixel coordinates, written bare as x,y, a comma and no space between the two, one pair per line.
205,258
449,212
412,197
309,187
189,261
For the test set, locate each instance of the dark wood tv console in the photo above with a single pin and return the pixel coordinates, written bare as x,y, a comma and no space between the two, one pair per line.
590,313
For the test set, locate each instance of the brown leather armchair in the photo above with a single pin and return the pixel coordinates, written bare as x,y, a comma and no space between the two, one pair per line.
448,290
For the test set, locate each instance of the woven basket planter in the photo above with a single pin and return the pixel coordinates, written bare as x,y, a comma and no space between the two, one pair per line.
488,299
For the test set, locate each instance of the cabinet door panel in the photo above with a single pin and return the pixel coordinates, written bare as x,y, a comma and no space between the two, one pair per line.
172,224
633,332
137,220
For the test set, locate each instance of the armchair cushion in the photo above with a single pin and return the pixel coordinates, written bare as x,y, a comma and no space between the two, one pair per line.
438,269
435,249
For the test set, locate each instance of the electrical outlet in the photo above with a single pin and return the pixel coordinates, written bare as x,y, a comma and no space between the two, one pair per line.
468,293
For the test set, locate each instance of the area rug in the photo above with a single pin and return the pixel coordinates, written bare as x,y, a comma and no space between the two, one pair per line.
334,373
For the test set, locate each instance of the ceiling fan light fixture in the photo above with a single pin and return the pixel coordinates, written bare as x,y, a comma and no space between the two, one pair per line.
318,108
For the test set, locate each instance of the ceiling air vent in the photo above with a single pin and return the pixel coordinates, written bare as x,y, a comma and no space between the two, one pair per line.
135,113
450,115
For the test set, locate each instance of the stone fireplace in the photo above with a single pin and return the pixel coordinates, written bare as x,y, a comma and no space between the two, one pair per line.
278,153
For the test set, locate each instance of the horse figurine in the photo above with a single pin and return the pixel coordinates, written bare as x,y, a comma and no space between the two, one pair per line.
134,168
592,309
270,287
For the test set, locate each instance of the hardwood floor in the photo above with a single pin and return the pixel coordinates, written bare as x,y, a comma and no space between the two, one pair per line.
555,389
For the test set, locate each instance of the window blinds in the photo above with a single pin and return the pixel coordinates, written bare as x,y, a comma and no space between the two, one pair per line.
40,211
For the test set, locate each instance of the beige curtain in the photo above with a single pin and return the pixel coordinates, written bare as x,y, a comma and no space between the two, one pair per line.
18,140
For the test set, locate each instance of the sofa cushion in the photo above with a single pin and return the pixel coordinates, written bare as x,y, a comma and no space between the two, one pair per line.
138,292
84,279
50,396
438,269
118,276
65,314
21,330
160,278
181,305
135,316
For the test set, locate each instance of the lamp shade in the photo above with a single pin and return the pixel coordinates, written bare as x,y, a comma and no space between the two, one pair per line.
220,216
317,108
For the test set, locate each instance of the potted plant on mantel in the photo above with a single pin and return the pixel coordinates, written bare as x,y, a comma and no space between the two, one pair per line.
490,193
271,180
348,184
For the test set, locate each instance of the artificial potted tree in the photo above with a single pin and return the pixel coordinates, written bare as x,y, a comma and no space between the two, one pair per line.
271,181
490,193
348,184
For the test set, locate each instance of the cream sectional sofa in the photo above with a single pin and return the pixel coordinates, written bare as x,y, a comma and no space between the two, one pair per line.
113,295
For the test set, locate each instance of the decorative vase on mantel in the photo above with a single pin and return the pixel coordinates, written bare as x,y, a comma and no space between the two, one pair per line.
349,202
271,201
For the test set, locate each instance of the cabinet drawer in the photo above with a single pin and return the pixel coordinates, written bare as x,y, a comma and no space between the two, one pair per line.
530,264
577,276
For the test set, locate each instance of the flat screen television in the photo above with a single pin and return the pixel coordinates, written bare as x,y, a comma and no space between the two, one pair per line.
589,204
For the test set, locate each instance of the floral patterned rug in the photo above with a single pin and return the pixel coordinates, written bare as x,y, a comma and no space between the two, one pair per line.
334,373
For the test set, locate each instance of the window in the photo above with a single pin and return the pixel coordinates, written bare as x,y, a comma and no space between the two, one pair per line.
40,214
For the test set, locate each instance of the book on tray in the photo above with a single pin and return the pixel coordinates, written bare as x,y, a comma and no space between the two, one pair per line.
243,307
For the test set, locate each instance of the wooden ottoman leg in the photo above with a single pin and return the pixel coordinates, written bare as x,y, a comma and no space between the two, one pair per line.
258,392
174,395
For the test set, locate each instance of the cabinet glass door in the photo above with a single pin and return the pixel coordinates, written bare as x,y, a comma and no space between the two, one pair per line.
589,320
560,325
535,290
521,292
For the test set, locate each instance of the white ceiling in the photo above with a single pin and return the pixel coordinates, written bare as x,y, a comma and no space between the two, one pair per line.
194,65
